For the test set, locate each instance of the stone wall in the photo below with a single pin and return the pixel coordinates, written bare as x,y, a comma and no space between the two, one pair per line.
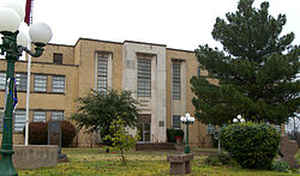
35,156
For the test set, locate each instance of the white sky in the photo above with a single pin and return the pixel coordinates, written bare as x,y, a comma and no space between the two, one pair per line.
181,24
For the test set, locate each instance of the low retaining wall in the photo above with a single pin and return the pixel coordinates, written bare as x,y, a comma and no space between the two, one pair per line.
155,146
35,156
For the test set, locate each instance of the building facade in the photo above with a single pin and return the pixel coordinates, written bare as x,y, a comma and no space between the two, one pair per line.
158,77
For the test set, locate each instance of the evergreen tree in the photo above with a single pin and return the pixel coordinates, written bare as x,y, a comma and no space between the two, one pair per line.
256,70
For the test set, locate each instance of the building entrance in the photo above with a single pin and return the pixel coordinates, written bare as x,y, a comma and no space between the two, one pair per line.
144,127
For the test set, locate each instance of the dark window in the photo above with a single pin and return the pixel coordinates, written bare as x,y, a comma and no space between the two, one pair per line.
176,121
58,58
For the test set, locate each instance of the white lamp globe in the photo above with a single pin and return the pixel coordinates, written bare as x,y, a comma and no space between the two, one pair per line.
40,33
9,20
181,118
22,39
239,116
187,115
15,5
235,120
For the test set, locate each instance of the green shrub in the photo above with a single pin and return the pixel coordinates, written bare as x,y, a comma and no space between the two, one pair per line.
252,145
280,166
213,160
219,159
172,133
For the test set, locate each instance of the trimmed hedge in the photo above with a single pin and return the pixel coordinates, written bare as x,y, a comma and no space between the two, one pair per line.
172,133
68,133
252,145
38,133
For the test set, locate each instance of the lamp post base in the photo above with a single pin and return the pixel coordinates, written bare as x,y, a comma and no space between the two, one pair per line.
6,165
187,149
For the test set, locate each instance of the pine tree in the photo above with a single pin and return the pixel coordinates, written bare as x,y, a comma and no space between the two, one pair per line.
256,70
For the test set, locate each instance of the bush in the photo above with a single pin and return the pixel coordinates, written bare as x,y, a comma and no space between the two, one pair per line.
252,145
172,133
219,159
280,166
38,133
213,160
68,133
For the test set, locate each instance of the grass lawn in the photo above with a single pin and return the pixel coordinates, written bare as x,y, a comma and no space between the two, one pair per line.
95,162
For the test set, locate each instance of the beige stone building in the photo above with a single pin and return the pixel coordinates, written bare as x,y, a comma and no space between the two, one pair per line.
158,77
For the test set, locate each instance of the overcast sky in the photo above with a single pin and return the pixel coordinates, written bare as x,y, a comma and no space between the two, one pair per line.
181,24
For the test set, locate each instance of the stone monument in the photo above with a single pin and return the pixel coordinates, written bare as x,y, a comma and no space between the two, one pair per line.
55,138
180,163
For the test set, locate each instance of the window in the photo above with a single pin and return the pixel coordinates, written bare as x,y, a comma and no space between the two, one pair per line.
39,116
176,121
144,77
2,80
57,115
58,58
102,67
21,81
176,82
40,83
19,120
58,84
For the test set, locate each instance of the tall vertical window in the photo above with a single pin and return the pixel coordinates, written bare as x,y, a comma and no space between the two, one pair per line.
102,67
58,58
40,83
21,81
144,77
19,120
176,121
176,82
2,80
58,84
39,116
57,115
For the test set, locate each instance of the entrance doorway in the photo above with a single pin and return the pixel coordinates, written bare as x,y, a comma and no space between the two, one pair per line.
144,127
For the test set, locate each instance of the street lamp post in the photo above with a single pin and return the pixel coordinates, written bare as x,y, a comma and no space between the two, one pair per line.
187,120
13,45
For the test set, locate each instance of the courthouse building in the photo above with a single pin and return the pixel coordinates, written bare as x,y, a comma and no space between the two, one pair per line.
159,78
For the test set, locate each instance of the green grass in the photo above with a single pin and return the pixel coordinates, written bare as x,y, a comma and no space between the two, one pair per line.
95,162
